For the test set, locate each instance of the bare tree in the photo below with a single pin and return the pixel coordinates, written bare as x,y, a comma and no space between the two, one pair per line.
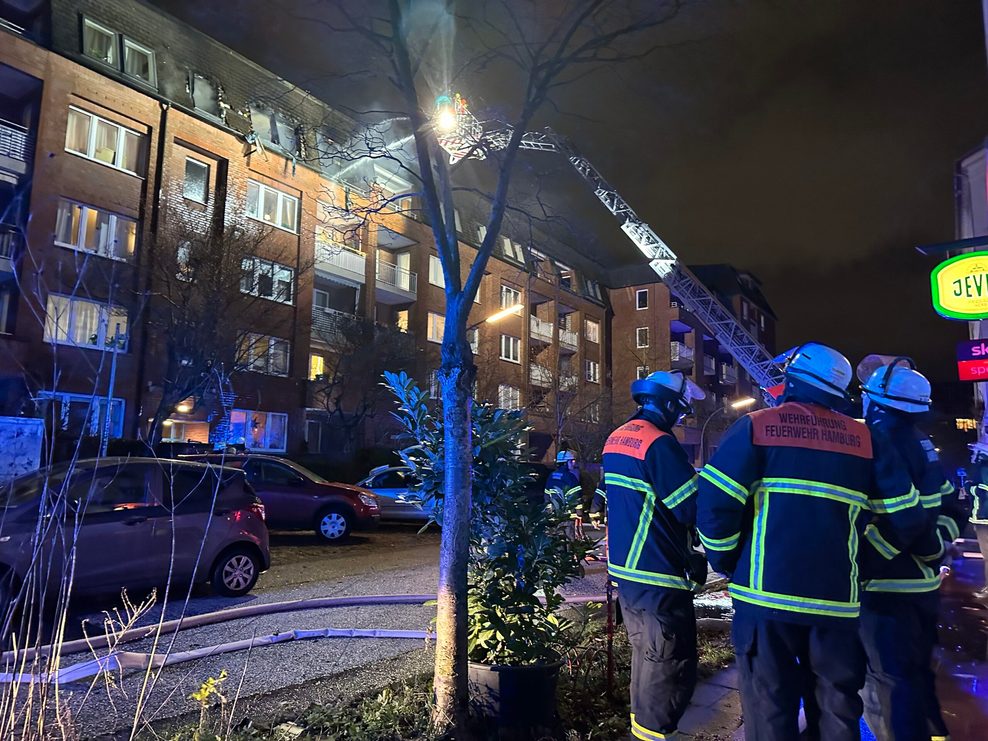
537,49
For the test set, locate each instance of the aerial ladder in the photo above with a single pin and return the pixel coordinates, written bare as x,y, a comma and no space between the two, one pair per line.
462,135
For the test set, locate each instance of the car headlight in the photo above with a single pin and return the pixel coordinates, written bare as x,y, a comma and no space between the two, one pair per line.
369,500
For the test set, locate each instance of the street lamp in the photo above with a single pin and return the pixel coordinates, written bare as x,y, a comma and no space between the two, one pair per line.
742,403
498,316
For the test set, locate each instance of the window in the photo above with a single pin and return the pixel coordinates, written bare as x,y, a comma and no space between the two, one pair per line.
99,42
744,309
513,250
436,272
593,412
437,324
110,489
274,127
456,221
481,233
761,320
593,290
642,372
508,397
205,95
93,230
401,320
103,141
592,328
510,348
139,62
268,280
593,371
264,354
196,186
509,297
434,388
271,206
317,366
641,337
185,431
473,337
565,276
82,414
262,431
641,298
76,321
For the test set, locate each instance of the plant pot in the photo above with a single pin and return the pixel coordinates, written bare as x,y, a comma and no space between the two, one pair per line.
514,696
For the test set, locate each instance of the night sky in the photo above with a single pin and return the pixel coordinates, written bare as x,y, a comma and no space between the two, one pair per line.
812,143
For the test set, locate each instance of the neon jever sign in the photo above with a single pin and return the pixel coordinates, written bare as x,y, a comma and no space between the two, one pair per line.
960,286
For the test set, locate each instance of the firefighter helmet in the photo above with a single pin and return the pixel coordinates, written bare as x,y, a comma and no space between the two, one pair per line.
818,366
899,385
667,386
565,456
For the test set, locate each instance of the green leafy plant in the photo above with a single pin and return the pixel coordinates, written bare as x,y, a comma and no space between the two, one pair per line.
520,553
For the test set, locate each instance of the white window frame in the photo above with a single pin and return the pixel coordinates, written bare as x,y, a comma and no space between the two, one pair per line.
89,24
102,330
80,244
140,48
638,299
593,290
511,348
436,276
641,372
508,397
259,202
513,250
185,179
508,292
96,406
268,448
592,368
260,349
639,331
275,268
591,328
122,132
436,327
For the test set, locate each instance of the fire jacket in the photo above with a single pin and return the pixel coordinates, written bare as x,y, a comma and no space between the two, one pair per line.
979,512
887,565
782,506
563,482
651,507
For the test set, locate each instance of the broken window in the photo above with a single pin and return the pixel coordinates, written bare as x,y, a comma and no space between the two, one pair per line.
274,128
268,280
205,95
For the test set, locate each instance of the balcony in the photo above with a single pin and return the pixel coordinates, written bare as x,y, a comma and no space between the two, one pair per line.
9,240
728,375
568,339
540,375
395,285
16,147
567,381
541,330
709,365
331,326
680,355
339,261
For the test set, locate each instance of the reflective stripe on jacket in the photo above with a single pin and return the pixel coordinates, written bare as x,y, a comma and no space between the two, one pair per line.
651,506
979,514
782,507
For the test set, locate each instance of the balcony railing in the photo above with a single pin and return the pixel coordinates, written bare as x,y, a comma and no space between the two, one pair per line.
15,144
390,275
540,375
728,375
709,365
569,339
330,325
541,330
339,259
680,354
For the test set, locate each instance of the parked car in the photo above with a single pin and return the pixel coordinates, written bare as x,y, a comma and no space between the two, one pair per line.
132,521
395,488
296,498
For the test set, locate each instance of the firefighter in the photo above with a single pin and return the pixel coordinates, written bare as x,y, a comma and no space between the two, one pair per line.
651,493
979,508
781,507
563,485
900,599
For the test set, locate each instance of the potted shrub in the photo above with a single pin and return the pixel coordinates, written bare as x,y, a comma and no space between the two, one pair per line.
520,557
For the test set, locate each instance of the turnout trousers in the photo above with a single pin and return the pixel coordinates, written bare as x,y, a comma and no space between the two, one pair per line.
779,663
663,665
899,632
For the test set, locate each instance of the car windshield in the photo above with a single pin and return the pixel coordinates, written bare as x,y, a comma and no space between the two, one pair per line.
27,488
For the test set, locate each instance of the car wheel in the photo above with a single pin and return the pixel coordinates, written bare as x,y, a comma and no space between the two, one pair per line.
236,572
334,524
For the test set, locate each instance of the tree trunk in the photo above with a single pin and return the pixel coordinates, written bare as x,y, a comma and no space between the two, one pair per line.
456,380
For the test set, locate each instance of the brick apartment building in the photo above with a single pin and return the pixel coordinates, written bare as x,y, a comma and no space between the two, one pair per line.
119,123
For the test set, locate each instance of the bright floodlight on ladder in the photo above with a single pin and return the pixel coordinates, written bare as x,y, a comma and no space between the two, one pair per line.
457,129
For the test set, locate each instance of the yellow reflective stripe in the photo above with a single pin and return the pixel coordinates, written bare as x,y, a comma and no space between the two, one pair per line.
874,537
725,483
852,549
644,523
905,586
761,526
928,573
574,490
616,479
640,731
649,577
929,501
936,556
720,544
817,489
948,524
681,494
895,504
946,489
793,603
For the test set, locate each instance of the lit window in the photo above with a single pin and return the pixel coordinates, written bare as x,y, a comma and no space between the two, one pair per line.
139,62
84,414
260,431
268,280
436,272
205,95
76,321
271,206
642,372
99,42
592,330
317,366
264,354
401,320
593,371
508,397
641,337
196,186
641,298
103,141
509,297
437,325
94,230
510,348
